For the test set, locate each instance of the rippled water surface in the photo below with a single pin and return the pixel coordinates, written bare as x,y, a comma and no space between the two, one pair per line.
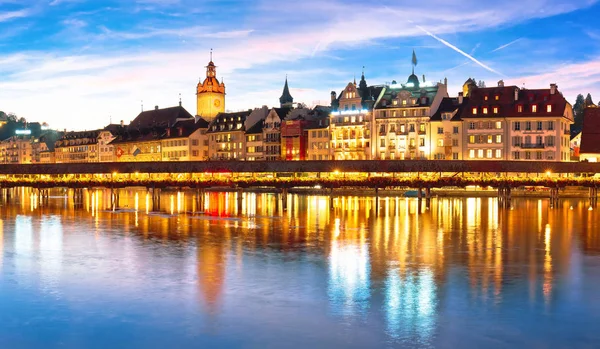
460,274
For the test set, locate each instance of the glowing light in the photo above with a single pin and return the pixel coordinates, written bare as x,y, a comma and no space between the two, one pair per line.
23,132
548,173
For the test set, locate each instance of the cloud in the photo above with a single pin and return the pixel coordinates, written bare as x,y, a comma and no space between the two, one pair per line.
143,60
506,45
459,51
10,15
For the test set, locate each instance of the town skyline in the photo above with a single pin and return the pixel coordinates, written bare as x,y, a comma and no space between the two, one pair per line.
77,65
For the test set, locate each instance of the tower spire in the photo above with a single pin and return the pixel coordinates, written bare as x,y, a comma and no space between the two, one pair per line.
414,61
211,52
286,99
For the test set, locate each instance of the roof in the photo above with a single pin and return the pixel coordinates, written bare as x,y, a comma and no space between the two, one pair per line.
391,92
160,117
449,105
282,112
590,136
256,128
228,122
183,128
503,98
286,97
138,135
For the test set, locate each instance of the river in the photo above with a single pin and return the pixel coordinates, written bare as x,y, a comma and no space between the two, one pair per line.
462,273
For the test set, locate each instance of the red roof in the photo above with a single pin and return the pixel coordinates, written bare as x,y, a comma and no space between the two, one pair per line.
590,136
503,98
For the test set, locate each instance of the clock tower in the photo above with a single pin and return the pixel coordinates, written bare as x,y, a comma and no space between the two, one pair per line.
210,94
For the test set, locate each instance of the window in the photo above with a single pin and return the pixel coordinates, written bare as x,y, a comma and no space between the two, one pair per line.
539,155
534,108
412,127
455,142
550,125
421,127
516,155
471,125
474,111
490,139
404,102
454,156
440,143
472,154
549,108
489,153
472,139
485,98
421,142
496,97
527,155
498,153
455,130
485,110
440,130
495,110
517,126
498,125
498,139
550,141
382,143
480,153
520,108
528,126
539,125
538,140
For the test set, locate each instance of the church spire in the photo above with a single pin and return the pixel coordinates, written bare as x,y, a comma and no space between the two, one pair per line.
286,99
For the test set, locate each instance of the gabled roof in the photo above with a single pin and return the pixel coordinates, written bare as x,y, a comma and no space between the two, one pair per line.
590,136
138,135
160,117
184,128
256,128
228,119
450,105
282,112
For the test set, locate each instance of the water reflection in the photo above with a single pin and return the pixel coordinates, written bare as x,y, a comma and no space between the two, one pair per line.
395,270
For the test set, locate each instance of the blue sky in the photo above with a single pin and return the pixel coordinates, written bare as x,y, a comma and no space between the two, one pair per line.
76,63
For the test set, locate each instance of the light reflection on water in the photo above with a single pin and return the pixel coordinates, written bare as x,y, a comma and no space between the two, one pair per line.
459,273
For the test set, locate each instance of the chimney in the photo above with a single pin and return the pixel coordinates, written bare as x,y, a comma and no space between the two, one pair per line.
501,83
553,88
156,107
122,123
516,94
460,98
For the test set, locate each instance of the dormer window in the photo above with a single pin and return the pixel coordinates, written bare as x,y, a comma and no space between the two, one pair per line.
495,110
485,110
549,108
520,108
395,102
497,97
534,108
485,98
474,111
404,102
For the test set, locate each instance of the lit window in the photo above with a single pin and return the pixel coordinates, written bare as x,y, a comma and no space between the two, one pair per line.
485,110
404,102
497,97
480,153
534,108
395,102
549,108
520,108
498,138
490,139
472,153
485,98
489,153
474,111
440,143
498,153
472,139
495,110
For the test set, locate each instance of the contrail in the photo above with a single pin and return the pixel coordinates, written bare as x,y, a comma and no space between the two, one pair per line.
458,50
505,46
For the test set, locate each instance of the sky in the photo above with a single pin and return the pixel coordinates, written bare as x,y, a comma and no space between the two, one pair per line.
78,65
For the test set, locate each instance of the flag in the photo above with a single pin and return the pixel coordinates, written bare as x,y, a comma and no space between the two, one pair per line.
136,151
414,58
119,152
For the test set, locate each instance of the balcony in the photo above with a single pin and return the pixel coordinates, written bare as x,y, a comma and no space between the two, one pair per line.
392,147
533,146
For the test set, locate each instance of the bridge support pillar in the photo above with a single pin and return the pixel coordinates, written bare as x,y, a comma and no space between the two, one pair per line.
554,197
240,201
200,199
593,197
504,197
428,198
284,198
376,201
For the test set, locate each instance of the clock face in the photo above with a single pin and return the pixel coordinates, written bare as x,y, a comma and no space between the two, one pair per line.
217,103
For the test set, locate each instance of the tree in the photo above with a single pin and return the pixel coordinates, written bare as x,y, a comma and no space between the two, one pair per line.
12,117
481,84
578,109
588,101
